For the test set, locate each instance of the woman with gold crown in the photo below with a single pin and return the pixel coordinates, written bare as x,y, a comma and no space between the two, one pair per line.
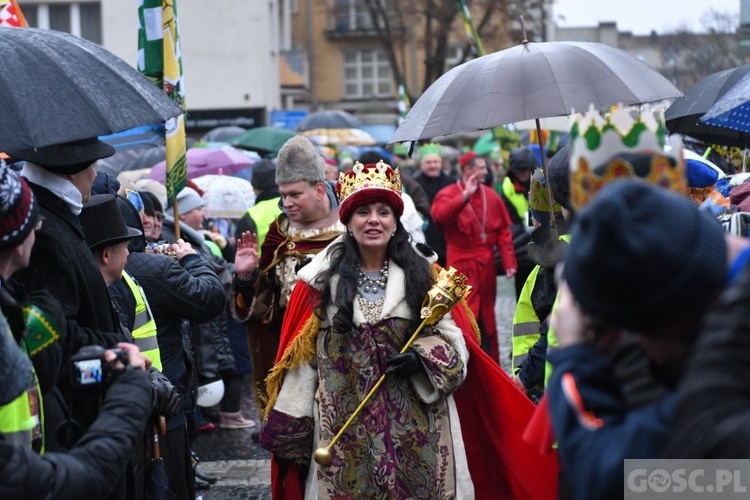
445,421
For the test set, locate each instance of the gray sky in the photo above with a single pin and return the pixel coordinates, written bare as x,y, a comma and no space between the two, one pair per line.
641,16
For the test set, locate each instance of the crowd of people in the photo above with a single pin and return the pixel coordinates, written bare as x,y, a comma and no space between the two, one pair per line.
122,319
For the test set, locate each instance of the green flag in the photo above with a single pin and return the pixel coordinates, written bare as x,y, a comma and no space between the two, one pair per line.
160,59
403,103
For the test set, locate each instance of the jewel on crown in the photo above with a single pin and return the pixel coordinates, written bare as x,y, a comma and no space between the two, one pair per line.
382,176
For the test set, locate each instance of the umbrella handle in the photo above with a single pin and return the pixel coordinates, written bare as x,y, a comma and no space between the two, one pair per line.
158,429
552,222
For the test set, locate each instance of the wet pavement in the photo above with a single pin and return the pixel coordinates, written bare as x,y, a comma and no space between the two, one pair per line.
244,468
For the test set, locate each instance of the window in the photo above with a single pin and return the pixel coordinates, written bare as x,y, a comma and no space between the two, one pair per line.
352,15
80,19
367,73
91,22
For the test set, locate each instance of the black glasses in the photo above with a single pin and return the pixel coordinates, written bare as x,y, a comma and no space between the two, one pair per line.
159,216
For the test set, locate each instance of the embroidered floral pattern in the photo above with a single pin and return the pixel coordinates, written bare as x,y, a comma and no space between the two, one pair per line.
399,446
289,438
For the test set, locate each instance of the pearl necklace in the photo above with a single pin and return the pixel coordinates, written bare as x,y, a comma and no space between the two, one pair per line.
371,285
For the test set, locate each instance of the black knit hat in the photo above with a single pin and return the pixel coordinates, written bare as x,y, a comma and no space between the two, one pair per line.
558,171
153,203
264,175
522,158
643,258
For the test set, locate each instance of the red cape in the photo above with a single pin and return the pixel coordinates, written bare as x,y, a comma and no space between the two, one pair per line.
493,412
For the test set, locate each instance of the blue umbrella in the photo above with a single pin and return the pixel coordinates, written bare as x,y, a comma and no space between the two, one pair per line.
732,110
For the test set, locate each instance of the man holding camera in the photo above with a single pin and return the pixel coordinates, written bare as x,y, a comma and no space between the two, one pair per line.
99,457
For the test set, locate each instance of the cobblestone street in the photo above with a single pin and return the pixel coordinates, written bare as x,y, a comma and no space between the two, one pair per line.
244,468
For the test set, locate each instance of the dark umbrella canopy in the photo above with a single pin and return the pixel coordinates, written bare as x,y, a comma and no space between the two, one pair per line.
226,134
531,81
329,118
146,158
685,113
264,140
56,87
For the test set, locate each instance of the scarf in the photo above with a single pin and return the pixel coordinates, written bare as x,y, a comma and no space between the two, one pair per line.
60,187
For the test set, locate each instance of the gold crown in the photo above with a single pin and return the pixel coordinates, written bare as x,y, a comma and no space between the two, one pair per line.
596,142
380,176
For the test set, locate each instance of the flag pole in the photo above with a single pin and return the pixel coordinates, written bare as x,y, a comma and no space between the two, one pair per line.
160,59
473,34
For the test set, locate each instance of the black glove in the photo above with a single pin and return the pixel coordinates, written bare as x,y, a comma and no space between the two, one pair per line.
164,398
404,365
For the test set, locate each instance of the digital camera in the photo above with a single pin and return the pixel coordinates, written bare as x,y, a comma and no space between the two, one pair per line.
88,368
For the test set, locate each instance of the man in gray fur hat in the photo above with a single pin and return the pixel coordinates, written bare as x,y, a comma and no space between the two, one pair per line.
262,285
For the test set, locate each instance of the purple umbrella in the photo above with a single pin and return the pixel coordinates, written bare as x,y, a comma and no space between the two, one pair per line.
204,161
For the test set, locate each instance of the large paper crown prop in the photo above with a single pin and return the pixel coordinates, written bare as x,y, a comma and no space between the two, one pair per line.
624,143
431,148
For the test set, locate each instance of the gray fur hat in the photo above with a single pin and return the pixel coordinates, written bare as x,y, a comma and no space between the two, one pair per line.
298,160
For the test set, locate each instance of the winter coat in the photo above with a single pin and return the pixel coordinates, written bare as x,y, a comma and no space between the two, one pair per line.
209,337
177,291
62,264
711,419
434,236
93,468
594,427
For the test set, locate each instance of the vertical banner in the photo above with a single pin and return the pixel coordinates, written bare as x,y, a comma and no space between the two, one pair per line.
11,15
403,103
478,48
160,59
471,31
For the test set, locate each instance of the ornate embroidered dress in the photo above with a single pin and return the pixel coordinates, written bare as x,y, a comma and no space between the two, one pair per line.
407,442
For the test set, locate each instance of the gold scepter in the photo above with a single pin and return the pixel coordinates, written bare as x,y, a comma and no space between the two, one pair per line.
449,288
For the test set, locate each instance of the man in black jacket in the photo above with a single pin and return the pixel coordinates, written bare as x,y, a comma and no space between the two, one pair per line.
60,177
91,468
180,288
101,455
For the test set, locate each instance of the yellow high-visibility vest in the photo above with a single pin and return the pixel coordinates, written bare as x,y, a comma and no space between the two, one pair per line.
525,322
20,420
144,326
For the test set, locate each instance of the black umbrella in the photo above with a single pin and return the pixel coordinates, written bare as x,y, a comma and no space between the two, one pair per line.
223,134
329,118
56,87
158,481
146,158
683,116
